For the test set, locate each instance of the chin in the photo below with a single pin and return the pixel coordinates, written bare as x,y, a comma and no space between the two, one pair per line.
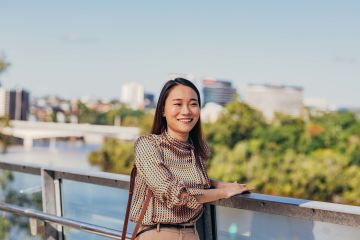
186,130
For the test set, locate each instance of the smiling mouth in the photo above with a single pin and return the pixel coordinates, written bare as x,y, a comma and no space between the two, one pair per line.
185,120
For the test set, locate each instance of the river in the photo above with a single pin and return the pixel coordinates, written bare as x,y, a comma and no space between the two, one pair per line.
64,154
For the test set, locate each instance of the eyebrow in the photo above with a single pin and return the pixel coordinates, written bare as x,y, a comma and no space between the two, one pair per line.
180,99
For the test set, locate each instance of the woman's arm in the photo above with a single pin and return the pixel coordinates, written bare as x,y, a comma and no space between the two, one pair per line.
210,195
217,184
223,190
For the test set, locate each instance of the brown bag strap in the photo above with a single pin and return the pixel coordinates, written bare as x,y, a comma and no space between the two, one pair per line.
142,214
143,210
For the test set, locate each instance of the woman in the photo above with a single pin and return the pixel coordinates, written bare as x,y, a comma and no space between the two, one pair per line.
171,163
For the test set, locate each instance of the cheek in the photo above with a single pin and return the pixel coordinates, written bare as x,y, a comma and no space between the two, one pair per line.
171,112
196,112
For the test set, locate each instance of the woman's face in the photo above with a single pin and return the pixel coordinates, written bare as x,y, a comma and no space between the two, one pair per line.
182,111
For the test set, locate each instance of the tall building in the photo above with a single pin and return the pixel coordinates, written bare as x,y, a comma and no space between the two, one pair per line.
15,104
270,99
218,91
19,104
149,100
132,94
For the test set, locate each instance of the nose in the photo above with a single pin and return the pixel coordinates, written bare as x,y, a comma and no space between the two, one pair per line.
185,110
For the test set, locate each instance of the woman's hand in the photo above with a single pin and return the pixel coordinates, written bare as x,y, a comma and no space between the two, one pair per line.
232,189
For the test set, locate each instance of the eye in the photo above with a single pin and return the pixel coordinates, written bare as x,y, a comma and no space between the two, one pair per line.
177,104
194,104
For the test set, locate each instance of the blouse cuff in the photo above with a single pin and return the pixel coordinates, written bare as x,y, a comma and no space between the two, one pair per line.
195,191
192,201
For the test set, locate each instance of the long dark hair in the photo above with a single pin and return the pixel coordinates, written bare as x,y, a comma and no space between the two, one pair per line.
160,125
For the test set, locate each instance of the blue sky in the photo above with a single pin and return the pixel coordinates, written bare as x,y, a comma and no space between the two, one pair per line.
90,48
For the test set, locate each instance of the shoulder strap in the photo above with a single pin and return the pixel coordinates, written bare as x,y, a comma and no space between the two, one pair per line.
142,214
143,210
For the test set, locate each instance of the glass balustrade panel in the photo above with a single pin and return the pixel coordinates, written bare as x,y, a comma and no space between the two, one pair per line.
245,225
94,204
20,189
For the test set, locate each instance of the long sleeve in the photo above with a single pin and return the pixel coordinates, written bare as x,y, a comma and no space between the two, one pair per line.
166,188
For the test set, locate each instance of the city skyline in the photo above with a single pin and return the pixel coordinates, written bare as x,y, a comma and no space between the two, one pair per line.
75,49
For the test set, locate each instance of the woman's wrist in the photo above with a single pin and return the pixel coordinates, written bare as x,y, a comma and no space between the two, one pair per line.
224,193
217,184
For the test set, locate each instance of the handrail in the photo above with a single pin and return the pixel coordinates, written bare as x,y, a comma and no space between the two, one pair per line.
31,213
99,178
297,208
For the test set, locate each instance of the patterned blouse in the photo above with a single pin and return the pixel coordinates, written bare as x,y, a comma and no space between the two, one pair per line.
169,168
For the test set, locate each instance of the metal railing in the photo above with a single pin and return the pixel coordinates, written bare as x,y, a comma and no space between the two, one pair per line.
49,218
52,214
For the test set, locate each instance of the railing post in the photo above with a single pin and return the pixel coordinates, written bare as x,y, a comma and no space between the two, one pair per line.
51,203
206,225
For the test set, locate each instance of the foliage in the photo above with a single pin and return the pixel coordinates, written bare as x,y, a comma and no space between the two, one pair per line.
87,115
5,177
128,117
13,196
114,156
3,64
238,122
145,123
4,227
118,156
5,140
314,159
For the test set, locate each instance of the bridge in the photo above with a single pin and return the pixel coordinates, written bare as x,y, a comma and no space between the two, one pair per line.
30,131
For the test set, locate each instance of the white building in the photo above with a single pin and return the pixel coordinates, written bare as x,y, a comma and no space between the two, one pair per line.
270,99
319,104
3,102
211,112
132,94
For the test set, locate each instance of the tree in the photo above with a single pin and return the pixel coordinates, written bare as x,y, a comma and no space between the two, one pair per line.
146,122
4,64
5,140
86,115
285,132
314,159
4,228
237,122
114,156
11,195
118,156
4,121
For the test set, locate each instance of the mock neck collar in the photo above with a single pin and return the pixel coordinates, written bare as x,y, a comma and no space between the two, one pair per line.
178,143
